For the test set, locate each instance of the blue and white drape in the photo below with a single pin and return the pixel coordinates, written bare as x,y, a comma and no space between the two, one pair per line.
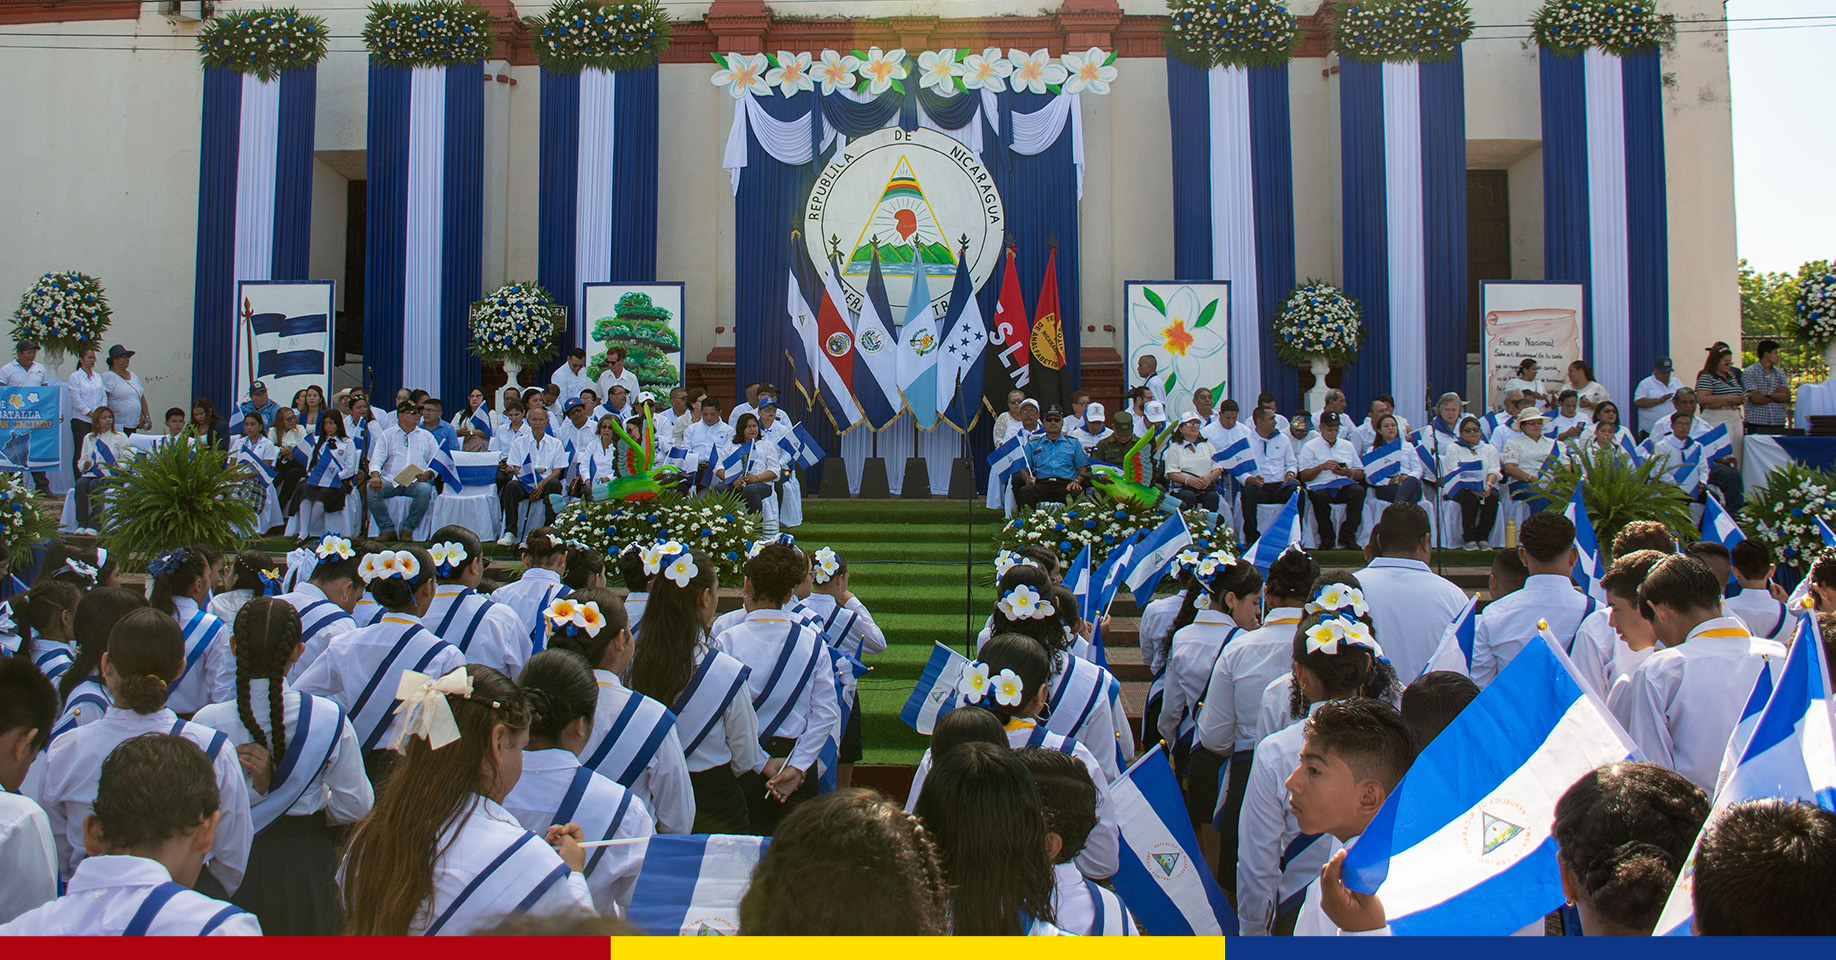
1604,200
424,242
1403,142
254,205
598,200
1233,207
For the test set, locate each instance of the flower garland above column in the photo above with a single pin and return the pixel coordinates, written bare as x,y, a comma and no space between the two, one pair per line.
944,73
611,36
1401,31
431,33
1239,33
262,42
1569,27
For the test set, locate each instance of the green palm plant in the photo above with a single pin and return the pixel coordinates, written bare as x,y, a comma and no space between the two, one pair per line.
1617,491
181,494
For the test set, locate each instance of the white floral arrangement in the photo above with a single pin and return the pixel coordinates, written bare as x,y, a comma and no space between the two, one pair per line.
1098,522
1616,26
23,525
64,312
1816,304
430,33
517,322
1318,320
1230,33
1401,31
264,41
718,525
945,72
604,34
1783,514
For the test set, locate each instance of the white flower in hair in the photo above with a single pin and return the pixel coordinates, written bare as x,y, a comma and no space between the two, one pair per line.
1338,596
1008,689
449,554
1185,559
588,618
652,556
1024,603
973,684
1207,567
561,610
827,565
757,545
1360,633
368,569
1324,637
681,570
334,547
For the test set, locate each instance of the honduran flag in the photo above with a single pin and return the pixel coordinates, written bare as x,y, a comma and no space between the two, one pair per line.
424,241
254,205
1604,203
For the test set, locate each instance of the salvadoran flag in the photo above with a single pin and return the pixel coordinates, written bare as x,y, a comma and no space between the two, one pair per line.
1161,874
1384,462
1237,459
1591,567
1790,754
691,886
1147,563
1007,459
1280,535
1463,845
1455,654
935,694
442,466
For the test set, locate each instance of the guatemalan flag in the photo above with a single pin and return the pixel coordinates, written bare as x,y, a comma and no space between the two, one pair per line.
1463,845
1604,204
876,352
1591,568
424,241
918,350
1233,210
1790,752
1161,873
254,204
691,886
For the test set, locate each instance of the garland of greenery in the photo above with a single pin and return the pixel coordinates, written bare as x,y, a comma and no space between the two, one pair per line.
23,525
1401,31
611,35
1621,27
1230,33
64,312
1100,522
430,33
263,41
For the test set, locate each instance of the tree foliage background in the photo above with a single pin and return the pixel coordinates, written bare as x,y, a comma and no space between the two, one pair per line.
1768,311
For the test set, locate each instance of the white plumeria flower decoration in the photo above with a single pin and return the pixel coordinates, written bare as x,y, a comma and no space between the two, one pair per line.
652,556
1024,603
836,71
681,570
882,68
1088,71
973,684
367,569
588,617
744,74
1360,633
987,70
334,547
792,73
827,565
938,70
406,566
560,611
1034,71
1008,689
1324,637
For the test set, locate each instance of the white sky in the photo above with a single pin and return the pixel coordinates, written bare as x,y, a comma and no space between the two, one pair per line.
1784,140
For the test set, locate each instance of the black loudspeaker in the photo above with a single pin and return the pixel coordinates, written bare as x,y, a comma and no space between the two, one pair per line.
962,479
917,480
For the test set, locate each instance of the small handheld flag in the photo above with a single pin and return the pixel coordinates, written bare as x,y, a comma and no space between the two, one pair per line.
1591,567
691,886
1161,874
1148,562
1455,654
1384,462
1282,534
1236,459
935,694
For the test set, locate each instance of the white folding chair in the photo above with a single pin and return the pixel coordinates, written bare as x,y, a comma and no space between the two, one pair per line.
475,506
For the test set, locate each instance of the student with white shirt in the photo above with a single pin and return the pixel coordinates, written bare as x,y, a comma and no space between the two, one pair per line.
1474,463
1547,545
331,470
848,627
1655,397
754,463
556,788
633,739
87,395
511,428
156,819
439,855
326,598
28,855
1411,605
146,653
1334,473
485,629
533,469
1567,421
678,665
392,452
1622,834
1223,602
181,588
1226,427
1681,705
1068,794
1615,639
1760,602
544,556
44,617
1147,369
302,753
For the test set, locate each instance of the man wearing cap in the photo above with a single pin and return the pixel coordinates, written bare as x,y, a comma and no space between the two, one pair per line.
1522,457
578,427
1300,428
773,425
1655,398
1056,464
1326,460
1277,469
127,396
258,402
571,377
1155,413
1113,448
392,450
615,373
1091,430
1028,426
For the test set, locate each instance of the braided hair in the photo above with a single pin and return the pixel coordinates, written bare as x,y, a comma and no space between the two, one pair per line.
36,609
267,632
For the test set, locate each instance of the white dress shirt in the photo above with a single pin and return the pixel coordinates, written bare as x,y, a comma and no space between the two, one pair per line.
347,668
1509,622
1526,454
572,383
1192,459
212,677
1275,711
1233,694
1192,654
466,851
340,788
627,379
1222,436
106,894
124,397
1155,627
391,451
664,783
539,792
1265,829
1274,456
497,640
1600,657
757,642
303,597
580,437
763,459
87,393
529,595
861,637
702,439
1076,905
546,454
28,856
506,437
1411,607
1317,451
1764,616
1655,418
14,375
1682,704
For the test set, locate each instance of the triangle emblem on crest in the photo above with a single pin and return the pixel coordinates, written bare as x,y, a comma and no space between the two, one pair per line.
905,229
1168,862
1495,832
707,931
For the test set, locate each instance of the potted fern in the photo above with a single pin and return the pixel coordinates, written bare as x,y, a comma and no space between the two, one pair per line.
1617,491
182,493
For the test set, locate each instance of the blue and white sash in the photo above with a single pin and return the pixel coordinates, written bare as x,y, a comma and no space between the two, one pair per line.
314,740
324,461
318,615
141,924
1112,918
88,695
538,637
633,739
1076,695
264,474
701,704
1044,739
414,649
796,664
598,821
213,741
53,662
104,463
463,616
200,632
510,884
838,631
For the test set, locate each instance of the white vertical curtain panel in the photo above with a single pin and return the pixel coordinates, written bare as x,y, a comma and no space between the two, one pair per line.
1408,274
593,189
1233,225
1609,289
426,218
257,153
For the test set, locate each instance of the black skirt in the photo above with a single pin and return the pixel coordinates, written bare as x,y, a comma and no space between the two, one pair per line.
290,885
850,749
720,804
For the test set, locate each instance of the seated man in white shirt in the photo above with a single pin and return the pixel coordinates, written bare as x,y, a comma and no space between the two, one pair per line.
1334,473
1547,545
616,374
703,438
571,377
1093,428
1277,471
750,405
1226,427
539,454
392,452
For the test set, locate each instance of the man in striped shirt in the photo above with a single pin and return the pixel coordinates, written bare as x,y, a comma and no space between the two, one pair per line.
1768,391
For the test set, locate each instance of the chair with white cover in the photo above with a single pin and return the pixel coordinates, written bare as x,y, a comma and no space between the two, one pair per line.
790,500
474,506
398,511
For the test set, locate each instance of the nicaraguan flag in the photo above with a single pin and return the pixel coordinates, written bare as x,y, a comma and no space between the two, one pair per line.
1829,536
935,694
1591,567
1719,527
741,452
802,293
264,474
1147,563
876,352
1278,537
1716,445
1328,481
1161,875
1077,578
442,466
1236,459
1384,462
526,474
480,421
302,451
1007,459
691,886
474,470
1463,845
1743,729
1791,754
1632,450
1108,577
1467,475
1455,653
809,452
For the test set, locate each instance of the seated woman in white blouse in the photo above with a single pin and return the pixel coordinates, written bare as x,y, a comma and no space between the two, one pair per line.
753,473
1525,384
1470,472
1588,391
102,449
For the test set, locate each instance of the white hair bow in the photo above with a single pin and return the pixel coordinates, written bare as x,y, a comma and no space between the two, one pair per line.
424,710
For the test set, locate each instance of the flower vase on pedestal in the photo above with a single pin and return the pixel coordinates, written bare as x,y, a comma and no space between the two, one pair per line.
1316,396
513,372
54,363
